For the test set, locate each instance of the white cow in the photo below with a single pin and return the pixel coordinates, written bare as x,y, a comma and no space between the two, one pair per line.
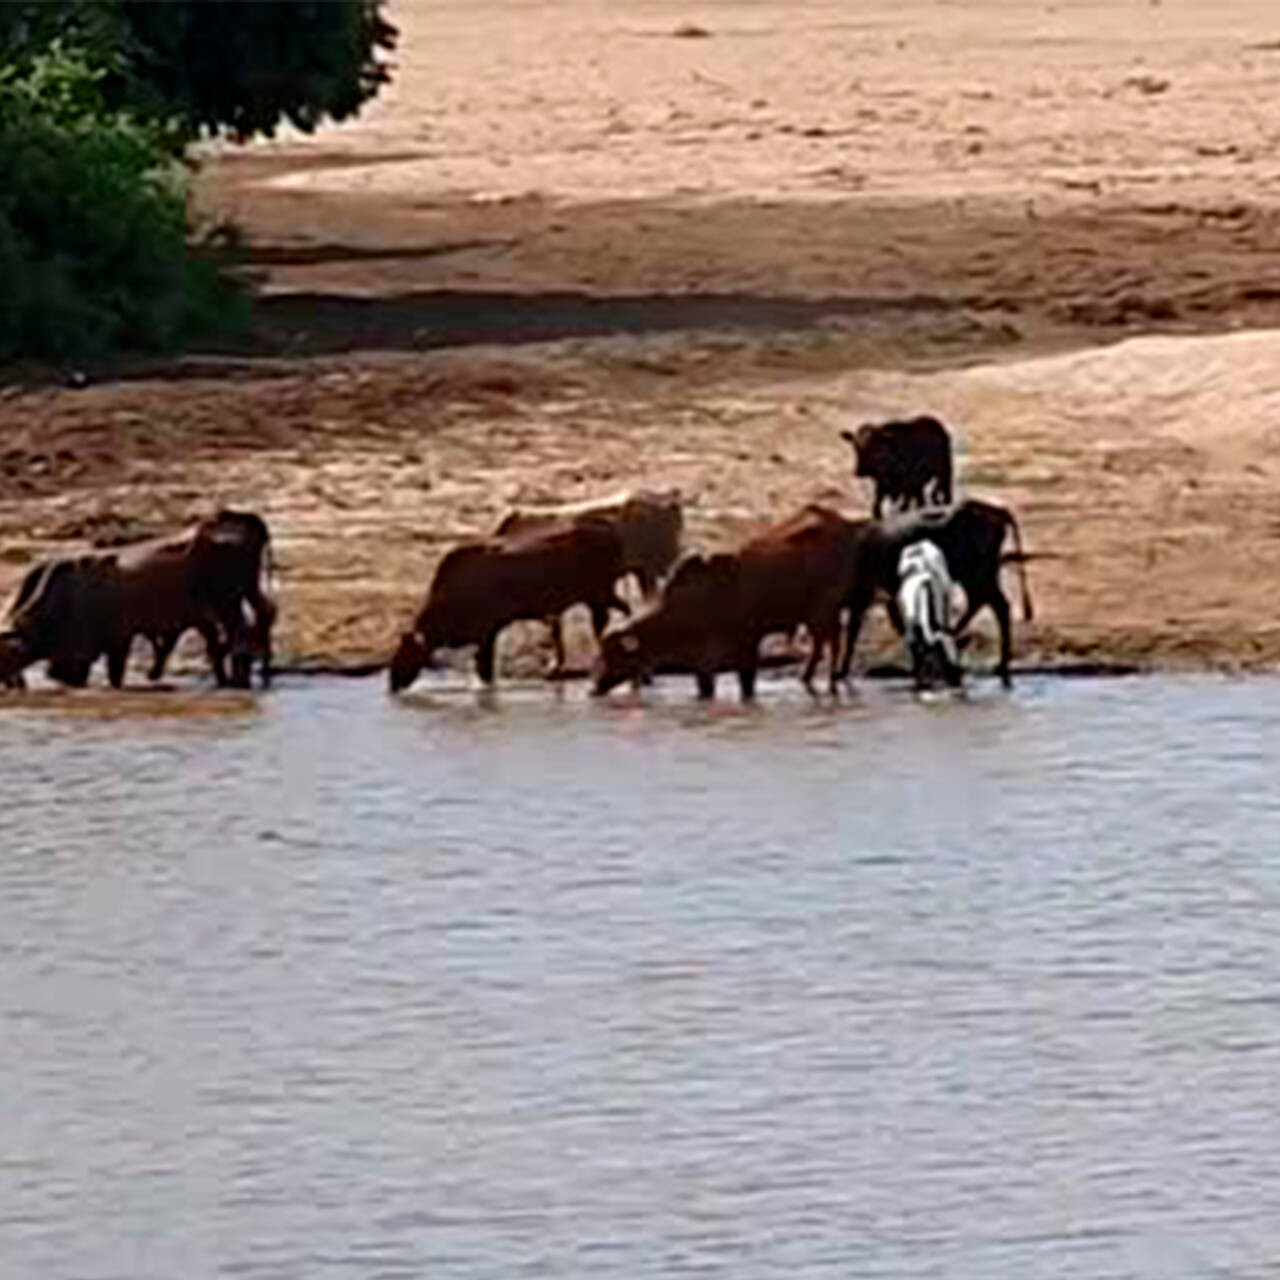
925,592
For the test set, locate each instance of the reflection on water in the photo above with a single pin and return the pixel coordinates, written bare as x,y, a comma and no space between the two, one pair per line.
533,986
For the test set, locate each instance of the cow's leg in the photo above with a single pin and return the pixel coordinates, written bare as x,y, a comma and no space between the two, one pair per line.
238,642
818,637
216,648
600,611
557,642
977,595
706,685
117,660
1000,607
264,617
877,504
859,602
484,657
920,662
825,633
748,664
241,670
162,645
647,583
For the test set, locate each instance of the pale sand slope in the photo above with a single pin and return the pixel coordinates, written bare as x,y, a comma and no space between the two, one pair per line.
1153,467
1129,99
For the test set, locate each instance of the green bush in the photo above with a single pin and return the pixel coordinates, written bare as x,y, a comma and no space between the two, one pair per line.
94,253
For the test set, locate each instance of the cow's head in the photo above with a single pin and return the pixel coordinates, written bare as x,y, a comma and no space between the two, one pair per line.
14,656
863,442
412,654
622,658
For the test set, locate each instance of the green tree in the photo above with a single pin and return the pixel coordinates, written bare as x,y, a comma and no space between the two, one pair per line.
94,249
224,66
238,67
98,101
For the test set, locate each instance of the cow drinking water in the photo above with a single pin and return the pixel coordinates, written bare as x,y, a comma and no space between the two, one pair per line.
970,536
715,610
480,587
75,609
925,605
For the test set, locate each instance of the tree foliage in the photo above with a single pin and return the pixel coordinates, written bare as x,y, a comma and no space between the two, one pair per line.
98,102
93,226
227,66
239,67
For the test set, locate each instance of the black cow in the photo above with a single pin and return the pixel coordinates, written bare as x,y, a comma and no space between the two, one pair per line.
970,535
904,459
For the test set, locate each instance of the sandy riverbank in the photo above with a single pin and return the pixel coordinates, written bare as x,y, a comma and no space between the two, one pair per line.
573,250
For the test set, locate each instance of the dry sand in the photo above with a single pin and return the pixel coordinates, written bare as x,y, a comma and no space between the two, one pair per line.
583,245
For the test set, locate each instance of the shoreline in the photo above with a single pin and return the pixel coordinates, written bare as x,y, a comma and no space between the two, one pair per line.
512,282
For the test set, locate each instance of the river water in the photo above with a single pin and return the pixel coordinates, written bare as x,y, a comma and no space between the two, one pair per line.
529,986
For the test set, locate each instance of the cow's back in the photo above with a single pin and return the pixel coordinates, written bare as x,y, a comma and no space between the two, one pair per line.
558,567
794,570
153,584
969,535
531,574
649,525
71,609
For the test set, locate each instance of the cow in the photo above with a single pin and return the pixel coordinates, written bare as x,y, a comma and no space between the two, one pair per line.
648,523
909,461
970,535
229,567
482,586
715,610
72,610
925,606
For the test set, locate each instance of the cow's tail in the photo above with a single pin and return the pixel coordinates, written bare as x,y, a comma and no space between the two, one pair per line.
1027,612
267,570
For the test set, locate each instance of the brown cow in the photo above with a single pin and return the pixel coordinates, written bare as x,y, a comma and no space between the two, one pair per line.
909,461
649,525
715,611
970,536
72,610
229,569
480,587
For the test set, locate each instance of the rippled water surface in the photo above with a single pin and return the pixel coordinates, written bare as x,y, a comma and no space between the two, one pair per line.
533,986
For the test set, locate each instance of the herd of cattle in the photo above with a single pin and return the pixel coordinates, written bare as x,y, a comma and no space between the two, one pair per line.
702,614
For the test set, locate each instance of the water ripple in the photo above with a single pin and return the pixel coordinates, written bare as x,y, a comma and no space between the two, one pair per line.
526,985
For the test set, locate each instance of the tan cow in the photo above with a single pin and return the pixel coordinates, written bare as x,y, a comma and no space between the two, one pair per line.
648,523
